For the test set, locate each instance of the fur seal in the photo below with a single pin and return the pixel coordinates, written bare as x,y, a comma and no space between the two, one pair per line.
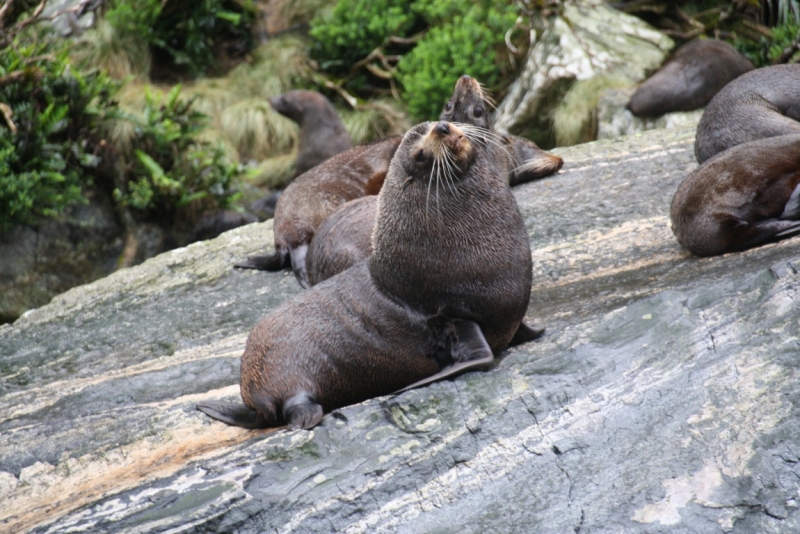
743,197
689,78
762,103
346,237
322,135
470,105
414,311
315,195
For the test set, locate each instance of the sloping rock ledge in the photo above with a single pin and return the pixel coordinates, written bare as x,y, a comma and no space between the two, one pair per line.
664,396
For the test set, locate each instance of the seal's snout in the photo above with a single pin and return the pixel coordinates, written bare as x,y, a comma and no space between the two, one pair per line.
443,128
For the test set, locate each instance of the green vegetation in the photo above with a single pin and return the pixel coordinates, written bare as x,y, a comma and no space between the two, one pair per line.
47,114
460,37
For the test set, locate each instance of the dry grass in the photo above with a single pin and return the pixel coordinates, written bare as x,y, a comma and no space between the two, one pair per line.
256,130
123,56
273,172
575,118
276,67
376,120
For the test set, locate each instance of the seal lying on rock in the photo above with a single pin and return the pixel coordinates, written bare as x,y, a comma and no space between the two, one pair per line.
743,197
314,196
762,103
322,135
345,238
689,78
447,284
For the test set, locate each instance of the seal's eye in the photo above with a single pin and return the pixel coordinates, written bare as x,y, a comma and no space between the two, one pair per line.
448,106
477,111
420,157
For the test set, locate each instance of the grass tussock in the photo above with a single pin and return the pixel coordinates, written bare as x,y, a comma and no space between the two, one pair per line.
256,130
277,66
283,14
375,121
122,56
575,118
274,172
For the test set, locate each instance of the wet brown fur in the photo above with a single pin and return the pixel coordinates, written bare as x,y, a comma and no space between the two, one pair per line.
689,78
760,104
734,200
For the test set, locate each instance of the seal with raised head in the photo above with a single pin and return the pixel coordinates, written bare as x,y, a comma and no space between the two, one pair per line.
345,238
760,104
689,78
743,197
314,196
322,135
432,300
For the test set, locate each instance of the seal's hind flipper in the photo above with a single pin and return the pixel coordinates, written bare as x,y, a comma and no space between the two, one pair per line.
297,256
470,352
526,333
271,262
792,209
301,411
233,414
790,230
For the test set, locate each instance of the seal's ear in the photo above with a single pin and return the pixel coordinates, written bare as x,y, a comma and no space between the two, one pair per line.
232,414
470,352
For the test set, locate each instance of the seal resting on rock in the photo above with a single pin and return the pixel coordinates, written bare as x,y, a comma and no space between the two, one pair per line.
762,103
314,196
345,238
689,78
447,285
322,135
743,197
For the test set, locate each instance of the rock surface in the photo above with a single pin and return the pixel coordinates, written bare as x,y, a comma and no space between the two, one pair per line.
663,397
588,38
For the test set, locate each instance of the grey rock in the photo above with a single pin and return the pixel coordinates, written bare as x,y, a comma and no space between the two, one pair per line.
663,397
588,38
613,120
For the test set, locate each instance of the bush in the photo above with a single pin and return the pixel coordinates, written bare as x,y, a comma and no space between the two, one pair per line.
471,44
355,28
172,167
47,114
767,51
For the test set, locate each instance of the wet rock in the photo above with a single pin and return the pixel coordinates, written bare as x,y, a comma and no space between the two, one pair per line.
663,396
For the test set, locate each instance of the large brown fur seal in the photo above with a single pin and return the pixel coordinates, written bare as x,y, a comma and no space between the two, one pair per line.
743,197
344,239
447,284
314,196
689,78
762,103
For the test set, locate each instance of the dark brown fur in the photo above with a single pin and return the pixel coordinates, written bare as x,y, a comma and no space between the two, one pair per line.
760,104
422,307
689,78
344,239
459,248
322,134
314,196
740,198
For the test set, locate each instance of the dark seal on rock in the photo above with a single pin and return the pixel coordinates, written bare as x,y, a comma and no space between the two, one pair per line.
322,135
762,103
432,300
743,197
689,78
314,196
334,250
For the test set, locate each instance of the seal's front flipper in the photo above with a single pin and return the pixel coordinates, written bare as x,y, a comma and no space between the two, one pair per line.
301,411
526,333
298,260
232,414
470,352
271,262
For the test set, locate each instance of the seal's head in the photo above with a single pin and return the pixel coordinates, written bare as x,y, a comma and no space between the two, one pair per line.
437,149
468,104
